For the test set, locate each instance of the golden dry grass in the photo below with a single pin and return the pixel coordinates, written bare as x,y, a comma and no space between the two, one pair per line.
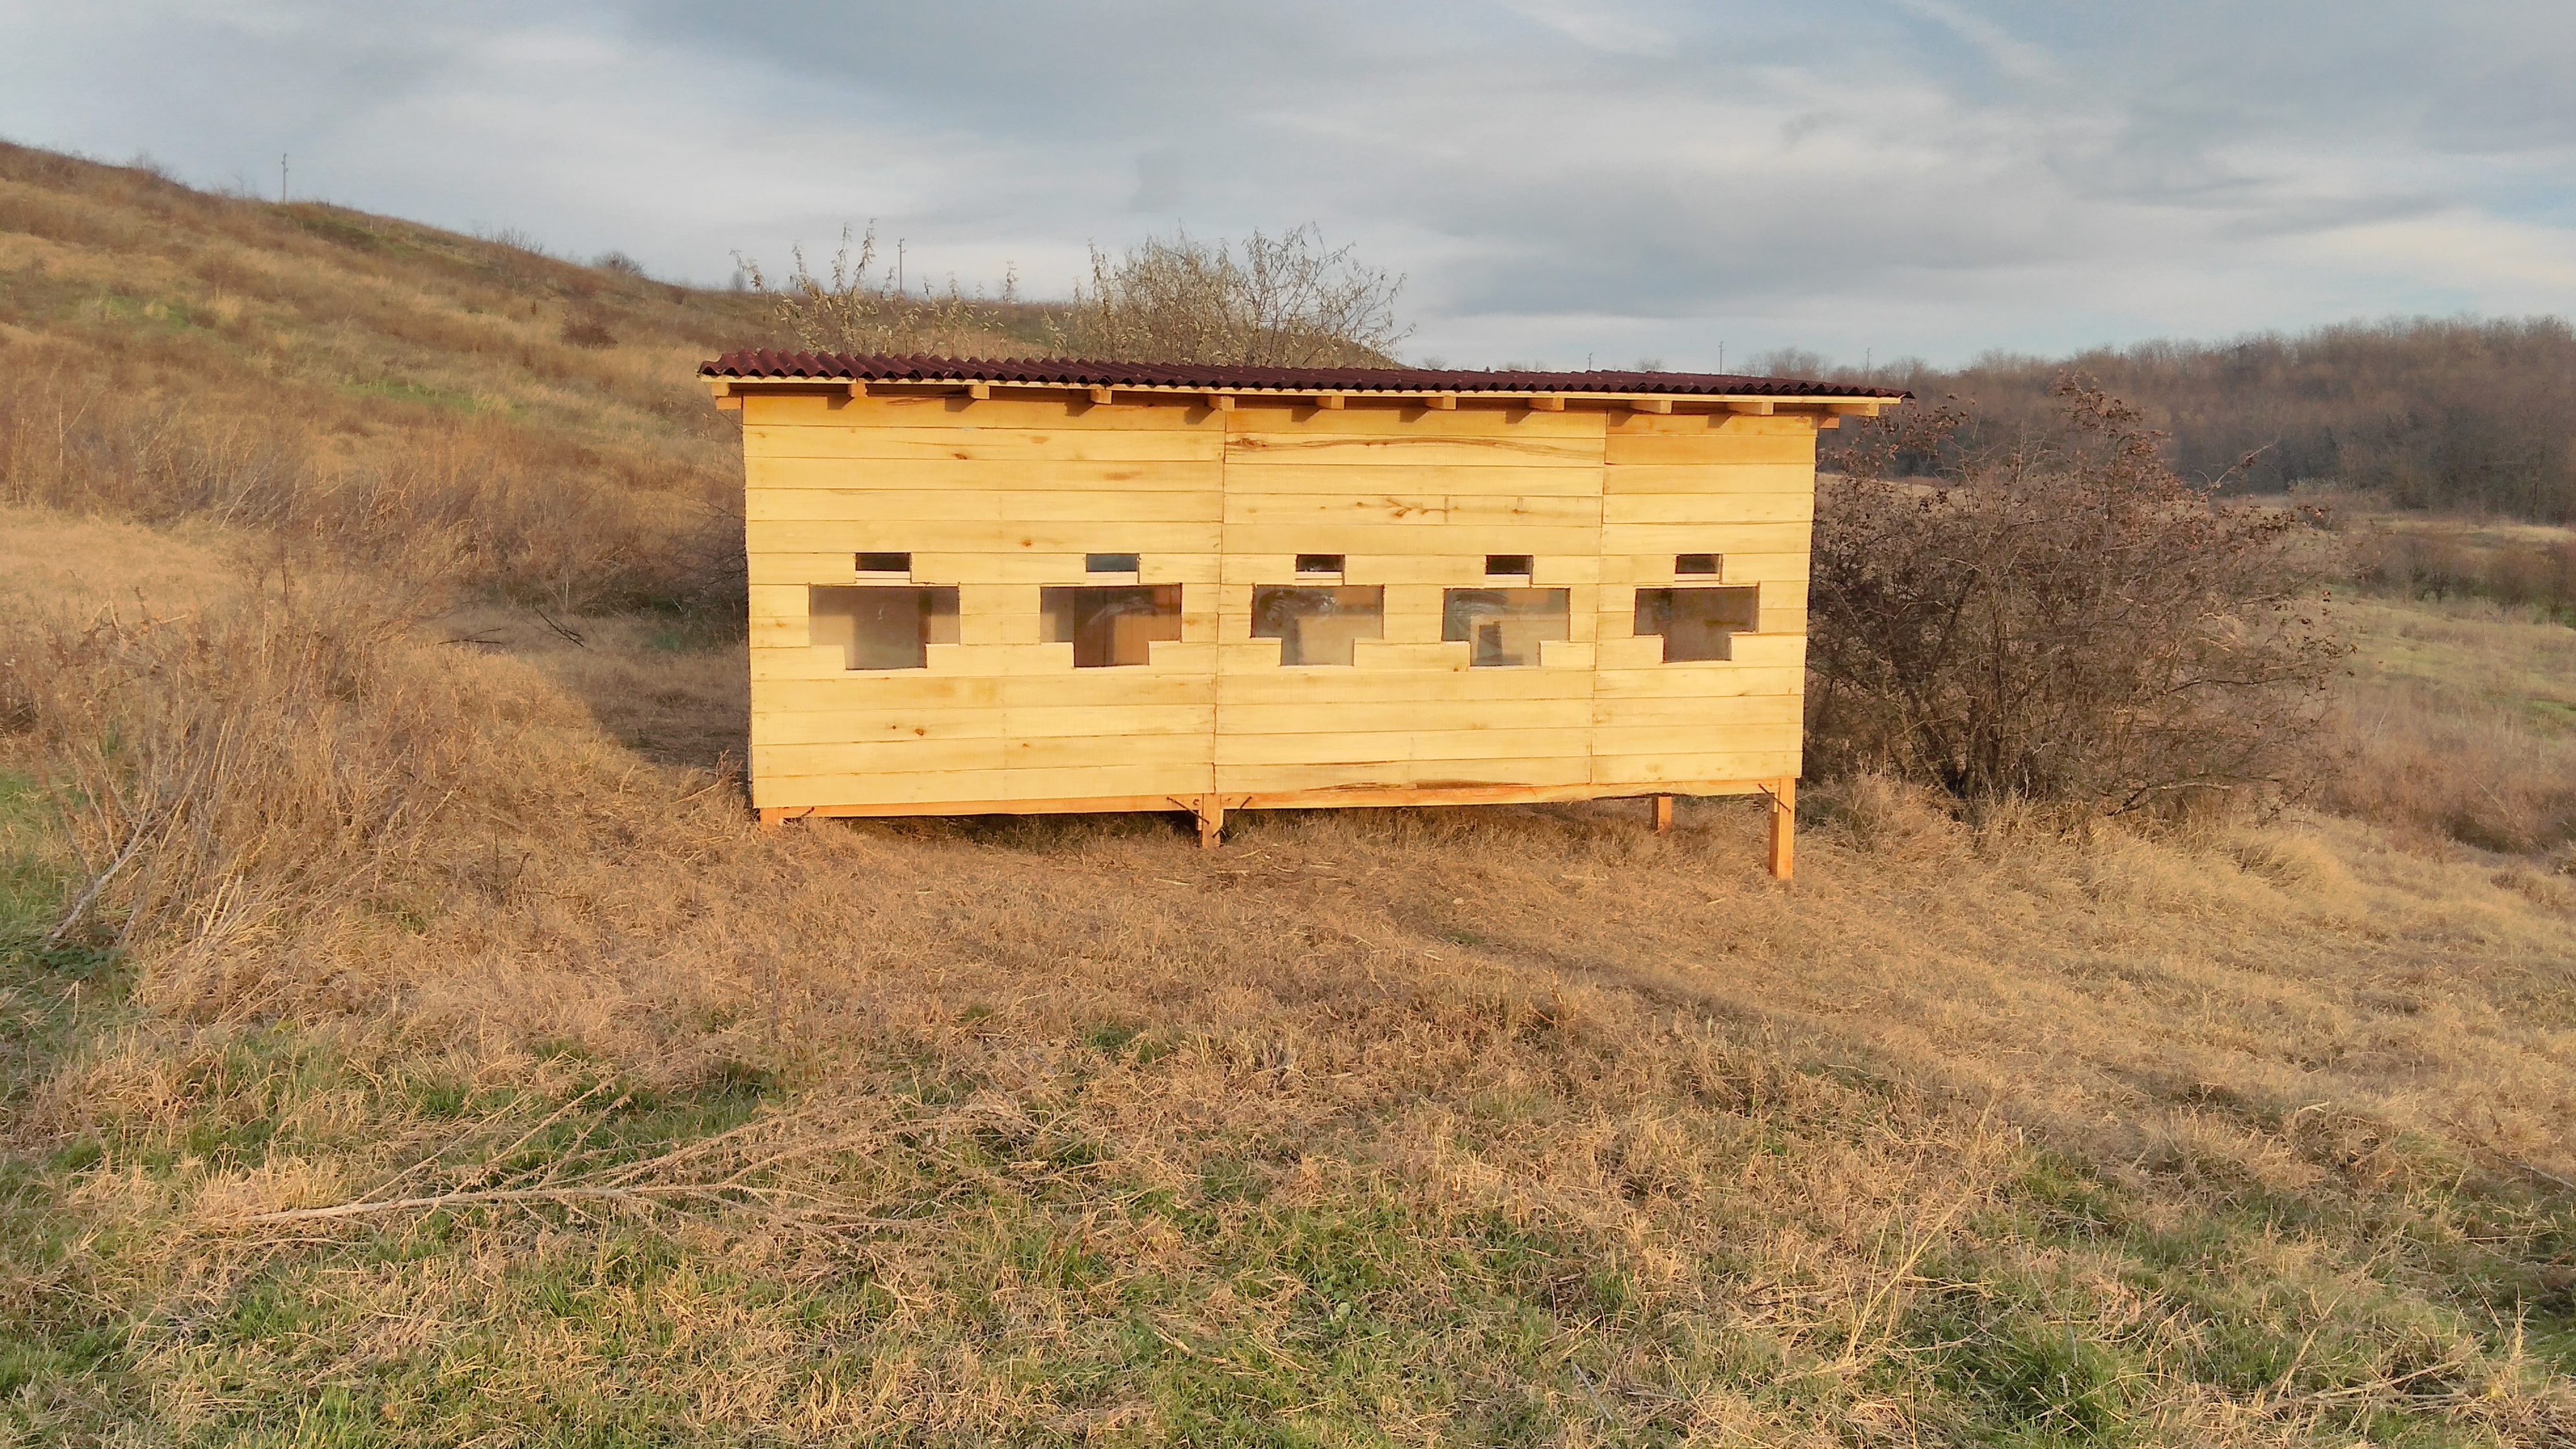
2458,722
473,1072
1507,1124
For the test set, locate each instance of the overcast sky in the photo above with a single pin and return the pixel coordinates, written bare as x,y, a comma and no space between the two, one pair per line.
1558,182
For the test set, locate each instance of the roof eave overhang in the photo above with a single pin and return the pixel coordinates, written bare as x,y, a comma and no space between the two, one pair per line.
728,388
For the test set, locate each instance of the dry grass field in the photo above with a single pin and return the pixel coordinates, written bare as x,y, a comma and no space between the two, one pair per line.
454,1063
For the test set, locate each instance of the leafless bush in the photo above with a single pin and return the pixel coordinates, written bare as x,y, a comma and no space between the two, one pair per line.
587,326
862,307
2429,565
1284,301
2070,620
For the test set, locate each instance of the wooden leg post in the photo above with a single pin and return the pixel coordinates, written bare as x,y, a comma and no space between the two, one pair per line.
1211,813
769,821
1784,828
1663,815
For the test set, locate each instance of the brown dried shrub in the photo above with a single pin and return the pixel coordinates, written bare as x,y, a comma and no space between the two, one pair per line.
2070,621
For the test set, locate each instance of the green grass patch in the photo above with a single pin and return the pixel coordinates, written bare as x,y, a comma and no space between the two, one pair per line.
422,395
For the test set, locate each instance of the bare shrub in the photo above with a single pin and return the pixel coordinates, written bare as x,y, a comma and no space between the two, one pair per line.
861,307
587,326
1283,301
2429,564
2069,621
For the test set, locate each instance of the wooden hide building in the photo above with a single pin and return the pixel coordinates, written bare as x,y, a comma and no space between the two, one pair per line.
1034,586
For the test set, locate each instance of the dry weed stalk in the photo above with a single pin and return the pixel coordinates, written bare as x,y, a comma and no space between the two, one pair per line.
747,1169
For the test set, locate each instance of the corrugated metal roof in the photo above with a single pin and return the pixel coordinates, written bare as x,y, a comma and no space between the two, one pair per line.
1061,372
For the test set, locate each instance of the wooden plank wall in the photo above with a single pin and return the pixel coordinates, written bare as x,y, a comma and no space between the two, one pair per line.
1414,500
1741,487
1000,497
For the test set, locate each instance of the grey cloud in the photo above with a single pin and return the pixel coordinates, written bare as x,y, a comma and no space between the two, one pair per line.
1556,176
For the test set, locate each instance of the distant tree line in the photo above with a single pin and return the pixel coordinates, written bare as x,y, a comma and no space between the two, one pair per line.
2463,415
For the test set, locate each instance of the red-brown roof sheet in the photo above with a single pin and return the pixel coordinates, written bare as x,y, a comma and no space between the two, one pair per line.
1060,372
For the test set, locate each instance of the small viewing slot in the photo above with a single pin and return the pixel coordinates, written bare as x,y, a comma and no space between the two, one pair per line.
882,627
1698,623
1317,626
1686,565
885,563
1319,563
1110,624
1504,626
1507,565
1109,563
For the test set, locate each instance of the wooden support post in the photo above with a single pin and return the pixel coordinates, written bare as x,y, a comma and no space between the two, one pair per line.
1784,828
769,821
1663,815
1211,813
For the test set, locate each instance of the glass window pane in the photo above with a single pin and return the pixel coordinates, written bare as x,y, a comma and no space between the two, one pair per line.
1697,623
882,627
1317,626
1110,624
1506,626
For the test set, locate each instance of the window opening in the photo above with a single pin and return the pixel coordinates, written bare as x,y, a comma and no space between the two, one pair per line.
1507,565
1698,623
885,563
1504,626
1110,624
1319,563
1109,563
1318,626
882,626
1688,564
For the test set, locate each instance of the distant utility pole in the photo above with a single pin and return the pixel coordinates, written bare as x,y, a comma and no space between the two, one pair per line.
281,178
898,266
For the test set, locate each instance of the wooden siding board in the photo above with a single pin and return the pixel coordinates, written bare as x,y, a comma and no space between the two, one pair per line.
868,507
1696,510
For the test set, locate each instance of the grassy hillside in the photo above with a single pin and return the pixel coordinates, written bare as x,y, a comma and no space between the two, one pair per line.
454,1063
440,407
